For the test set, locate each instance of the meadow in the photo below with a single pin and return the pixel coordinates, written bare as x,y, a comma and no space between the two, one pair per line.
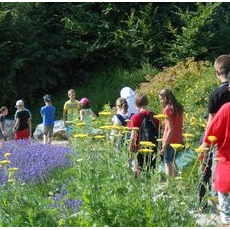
90,183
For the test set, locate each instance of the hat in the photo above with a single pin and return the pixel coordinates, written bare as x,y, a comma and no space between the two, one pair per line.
84,101
19,102
47,97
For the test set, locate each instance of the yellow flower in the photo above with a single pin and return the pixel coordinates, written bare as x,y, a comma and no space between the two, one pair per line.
81,135
212,138
80,124
147,144
176,146
6,155
79,160
125,131
213,199
99,137
118,127
13,169
4,162
160,116
200,150
106,127
105,113
188,135
127,128
11,180
145,151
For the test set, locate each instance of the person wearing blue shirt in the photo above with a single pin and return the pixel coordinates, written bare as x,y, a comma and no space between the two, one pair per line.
48,113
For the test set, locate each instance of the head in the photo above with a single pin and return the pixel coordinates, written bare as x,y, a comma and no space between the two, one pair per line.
167,97
222,66
84,103
141,101
127,92
3,110
47,98
122,104
20,104
71,94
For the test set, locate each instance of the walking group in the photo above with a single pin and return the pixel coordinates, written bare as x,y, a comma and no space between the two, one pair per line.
145,127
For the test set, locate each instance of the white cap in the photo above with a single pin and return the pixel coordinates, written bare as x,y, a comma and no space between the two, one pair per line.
19,102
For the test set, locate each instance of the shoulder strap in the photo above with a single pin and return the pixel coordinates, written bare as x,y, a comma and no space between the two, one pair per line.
121,119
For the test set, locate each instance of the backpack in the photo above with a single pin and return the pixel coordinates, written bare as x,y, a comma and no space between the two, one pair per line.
149,129
121,119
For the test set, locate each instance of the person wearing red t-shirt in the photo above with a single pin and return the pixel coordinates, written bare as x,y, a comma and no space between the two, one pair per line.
141,102
173,129
220,128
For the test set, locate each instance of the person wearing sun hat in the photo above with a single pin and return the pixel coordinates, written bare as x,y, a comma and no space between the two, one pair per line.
48,113
23,124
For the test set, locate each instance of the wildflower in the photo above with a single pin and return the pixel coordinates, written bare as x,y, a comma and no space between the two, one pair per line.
147,144
99,137
106,127
213,199
160,116
200,150
81,135
145,151
193,120
187,135
125,131
118,127
11,180
105,113
13,169
212,138
6,155
176,146
80,124
4,162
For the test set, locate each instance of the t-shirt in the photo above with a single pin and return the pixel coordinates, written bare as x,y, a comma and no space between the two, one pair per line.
116,120
219,128
177,122
219,97
48,115
23,116
71,109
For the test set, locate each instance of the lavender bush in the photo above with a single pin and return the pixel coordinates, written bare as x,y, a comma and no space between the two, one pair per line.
34,160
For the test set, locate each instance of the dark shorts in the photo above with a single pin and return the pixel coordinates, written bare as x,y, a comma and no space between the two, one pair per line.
169,154
48,130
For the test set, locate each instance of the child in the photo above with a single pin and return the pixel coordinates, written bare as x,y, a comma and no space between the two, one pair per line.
141,102
122,112
173,129
219,128
70,111
86,113
47,113
23,124
3,113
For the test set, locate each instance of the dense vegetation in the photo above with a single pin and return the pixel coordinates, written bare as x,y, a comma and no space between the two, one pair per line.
50,47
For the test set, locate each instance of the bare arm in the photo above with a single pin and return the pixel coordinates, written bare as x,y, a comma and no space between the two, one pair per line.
82,114
16,124
210,119
30,126
168,135
133,140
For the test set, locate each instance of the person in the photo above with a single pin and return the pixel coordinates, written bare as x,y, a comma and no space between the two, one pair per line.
172,130
70,111
217,98
47,113
122,112
141,102
86,113
219,128
23,125
129,95
3,133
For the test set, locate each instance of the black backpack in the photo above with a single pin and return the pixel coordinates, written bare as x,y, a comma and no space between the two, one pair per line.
121,119
149,129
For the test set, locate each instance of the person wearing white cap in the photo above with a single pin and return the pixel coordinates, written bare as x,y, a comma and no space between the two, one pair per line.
23,124
129,95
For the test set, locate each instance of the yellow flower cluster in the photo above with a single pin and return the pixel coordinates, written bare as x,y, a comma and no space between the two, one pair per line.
105,113
160,116
176,146
81,135
145,151
147,144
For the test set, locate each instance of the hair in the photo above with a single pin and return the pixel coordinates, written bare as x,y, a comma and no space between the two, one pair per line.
71,91
222,65
141,100
121,102
85,106
176,107
3,109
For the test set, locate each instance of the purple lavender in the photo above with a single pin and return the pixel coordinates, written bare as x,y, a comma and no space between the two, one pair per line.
34,160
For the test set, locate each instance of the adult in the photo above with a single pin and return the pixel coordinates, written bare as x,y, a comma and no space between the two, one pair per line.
3,133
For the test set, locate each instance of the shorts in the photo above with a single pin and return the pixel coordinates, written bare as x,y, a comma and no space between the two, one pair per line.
224,202
22,134
169,154
48,130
